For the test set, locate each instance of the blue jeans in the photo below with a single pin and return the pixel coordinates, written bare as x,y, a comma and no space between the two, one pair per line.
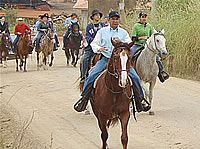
134,49
15,44
37,40
88,54
100,66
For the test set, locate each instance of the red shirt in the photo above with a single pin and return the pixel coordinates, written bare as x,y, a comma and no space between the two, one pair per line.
21,28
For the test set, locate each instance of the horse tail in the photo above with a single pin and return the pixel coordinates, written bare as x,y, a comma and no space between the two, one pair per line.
112,122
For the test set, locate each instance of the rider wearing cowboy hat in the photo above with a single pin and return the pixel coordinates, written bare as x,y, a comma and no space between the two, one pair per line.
141,31
42,27
20,29
91,31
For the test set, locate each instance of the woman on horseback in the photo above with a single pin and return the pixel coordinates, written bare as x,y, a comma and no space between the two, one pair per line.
42,28
141,31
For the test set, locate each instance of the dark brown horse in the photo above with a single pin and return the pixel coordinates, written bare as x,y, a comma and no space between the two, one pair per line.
73,44
112,94
5,44
23,50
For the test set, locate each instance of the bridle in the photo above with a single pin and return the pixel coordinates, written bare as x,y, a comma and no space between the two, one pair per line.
115,74
156,47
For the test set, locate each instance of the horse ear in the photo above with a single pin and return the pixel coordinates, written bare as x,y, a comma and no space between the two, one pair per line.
130,44
154,31
114,42
162,31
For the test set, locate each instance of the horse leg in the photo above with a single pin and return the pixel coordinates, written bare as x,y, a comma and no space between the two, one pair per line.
67,54
25,64
1,58
21,63
151,87
77,54
52,57
104,133
124,118
16,58
38,60
4,59
73,57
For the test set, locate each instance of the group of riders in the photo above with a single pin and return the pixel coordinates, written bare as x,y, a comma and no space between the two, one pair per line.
98,37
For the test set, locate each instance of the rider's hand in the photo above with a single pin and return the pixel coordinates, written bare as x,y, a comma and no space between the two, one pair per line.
101,49
43,30
19,33
143,38
3,32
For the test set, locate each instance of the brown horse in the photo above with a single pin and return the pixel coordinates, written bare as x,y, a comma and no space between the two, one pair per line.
5,44
23,50
73,44
46,49
112,94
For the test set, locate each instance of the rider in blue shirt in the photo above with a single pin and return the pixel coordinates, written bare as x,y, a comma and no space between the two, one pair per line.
102,44
91,31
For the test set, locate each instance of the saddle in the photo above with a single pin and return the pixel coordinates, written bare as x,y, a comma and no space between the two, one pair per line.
136,55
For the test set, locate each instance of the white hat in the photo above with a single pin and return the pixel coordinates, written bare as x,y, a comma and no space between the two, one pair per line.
19,19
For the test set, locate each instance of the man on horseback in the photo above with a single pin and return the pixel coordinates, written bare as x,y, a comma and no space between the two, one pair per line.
20,29
4,28
91,31
141,31
42,28
102,44
68,22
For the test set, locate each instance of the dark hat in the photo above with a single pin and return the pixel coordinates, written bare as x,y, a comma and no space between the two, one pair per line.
142,14
44,15
114,14
74,14
94,12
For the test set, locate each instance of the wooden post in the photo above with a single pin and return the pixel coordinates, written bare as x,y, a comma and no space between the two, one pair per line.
122,12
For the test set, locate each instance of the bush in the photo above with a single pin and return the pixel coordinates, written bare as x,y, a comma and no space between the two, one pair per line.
180,20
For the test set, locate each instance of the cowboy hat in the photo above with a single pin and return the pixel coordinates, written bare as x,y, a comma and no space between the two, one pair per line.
20,19
94,12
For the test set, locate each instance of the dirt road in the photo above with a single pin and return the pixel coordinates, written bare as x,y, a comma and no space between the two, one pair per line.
52,93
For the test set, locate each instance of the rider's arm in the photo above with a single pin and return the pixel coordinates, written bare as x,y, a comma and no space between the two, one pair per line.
89,32
96,43
67,23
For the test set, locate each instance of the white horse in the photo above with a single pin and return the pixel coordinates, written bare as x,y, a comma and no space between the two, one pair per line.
146,65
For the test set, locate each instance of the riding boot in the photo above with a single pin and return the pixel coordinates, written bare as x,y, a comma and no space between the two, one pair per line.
139,101
81,104
140,106
162,75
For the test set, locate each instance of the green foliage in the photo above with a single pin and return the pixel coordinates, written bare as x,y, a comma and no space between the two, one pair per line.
180,19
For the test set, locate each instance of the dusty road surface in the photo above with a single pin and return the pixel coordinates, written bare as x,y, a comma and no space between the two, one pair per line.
52,93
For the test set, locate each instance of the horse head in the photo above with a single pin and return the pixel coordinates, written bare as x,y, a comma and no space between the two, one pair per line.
27,36
156,43
120,61
75,29
5,40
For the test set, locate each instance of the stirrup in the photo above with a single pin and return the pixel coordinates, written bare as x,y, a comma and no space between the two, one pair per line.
81,104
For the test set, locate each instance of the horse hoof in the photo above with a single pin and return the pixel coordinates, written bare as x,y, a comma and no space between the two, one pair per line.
151,113
4,66
25,70
1,65
50,65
